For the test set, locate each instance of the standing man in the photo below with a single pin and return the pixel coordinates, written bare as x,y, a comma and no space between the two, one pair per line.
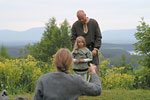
89,29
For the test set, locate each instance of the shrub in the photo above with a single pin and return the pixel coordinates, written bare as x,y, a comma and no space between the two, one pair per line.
142,79
115,79
21,75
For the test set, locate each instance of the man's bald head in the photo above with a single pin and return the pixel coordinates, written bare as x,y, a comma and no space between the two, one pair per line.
81,16
80,12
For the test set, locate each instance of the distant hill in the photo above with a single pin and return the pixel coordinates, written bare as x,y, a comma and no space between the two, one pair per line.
111,51
17,38
106,48
126,47
14,51
119,36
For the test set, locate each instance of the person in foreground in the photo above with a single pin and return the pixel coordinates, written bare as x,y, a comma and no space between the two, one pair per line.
61,85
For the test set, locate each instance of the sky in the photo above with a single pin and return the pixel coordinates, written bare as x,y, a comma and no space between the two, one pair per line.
21,15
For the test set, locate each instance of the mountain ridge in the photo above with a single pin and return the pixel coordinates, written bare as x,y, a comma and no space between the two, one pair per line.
11,37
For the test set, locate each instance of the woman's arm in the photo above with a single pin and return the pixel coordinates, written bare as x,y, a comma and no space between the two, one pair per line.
91,89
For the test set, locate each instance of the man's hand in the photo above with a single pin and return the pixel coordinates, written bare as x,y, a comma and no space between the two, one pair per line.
92,68
94,52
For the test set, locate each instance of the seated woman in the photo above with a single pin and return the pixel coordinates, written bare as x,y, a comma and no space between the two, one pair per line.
61,85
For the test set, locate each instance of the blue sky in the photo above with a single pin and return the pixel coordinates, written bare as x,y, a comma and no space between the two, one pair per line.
111,14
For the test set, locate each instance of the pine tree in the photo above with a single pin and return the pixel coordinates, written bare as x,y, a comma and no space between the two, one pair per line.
3,52
54,38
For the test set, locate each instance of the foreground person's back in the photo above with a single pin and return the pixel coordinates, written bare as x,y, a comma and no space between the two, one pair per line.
61,85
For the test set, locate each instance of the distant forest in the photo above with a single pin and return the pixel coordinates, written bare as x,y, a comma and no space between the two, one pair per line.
109,51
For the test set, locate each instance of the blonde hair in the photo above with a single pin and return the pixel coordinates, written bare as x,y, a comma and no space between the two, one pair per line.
63,59
76,47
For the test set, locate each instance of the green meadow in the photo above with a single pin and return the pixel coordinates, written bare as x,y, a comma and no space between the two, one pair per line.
114,94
